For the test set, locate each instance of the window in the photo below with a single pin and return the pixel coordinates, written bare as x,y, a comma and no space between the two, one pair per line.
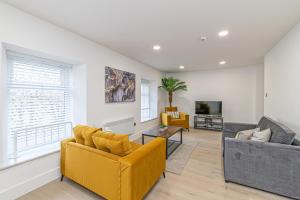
39,102
148,100
145,101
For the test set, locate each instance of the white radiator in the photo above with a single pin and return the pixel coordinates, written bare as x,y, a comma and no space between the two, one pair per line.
123,126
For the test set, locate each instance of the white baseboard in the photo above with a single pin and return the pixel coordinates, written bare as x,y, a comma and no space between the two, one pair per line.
29,185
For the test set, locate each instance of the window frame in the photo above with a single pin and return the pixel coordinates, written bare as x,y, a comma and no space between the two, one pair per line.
152,99
45,148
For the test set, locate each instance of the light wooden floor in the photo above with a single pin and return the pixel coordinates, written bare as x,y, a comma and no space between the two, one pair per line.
201,179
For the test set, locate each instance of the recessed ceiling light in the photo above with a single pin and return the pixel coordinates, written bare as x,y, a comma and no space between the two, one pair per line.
156,47
222,62
223,33
203,38
181,67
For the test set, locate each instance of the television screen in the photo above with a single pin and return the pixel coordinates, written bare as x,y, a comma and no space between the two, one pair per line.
208,108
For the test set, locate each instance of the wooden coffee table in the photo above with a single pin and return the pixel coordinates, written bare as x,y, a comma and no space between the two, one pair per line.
171,145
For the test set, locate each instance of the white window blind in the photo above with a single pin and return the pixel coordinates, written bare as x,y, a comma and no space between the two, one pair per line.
145,101
39,102
148,100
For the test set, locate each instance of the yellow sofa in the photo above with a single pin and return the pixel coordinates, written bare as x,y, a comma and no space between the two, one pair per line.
183,120
111,176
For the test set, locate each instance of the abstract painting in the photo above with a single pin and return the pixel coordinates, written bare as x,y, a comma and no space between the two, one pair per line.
119,86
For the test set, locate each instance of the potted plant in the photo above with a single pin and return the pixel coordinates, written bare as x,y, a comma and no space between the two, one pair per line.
172,85
162,127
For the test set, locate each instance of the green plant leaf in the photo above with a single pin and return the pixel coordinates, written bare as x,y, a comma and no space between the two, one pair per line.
171,84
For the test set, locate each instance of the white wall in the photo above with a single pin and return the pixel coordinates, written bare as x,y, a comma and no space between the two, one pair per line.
282,81
240,90
26,31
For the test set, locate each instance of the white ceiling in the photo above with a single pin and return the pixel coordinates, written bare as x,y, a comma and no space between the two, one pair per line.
132,27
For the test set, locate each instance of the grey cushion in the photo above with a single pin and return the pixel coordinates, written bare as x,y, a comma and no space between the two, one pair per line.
280,133
236,127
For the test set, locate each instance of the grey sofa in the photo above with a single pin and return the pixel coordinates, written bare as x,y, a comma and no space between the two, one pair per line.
273,166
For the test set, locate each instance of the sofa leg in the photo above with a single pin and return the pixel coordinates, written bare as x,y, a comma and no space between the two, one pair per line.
164,174
62,178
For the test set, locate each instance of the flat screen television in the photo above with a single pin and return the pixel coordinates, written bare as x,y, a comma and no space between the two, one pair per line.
208,107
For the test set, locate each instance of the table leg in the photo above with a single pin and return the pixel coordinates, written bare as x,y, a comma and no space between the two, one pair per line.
143,139
180,136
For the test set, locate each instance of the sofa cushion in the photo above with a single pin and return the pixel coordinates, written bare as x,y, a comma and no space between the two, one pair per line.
117,147
117,144
100,144
110,135
261,136
77,134
104,134
280,133
87,136
246,134
83,134
174,115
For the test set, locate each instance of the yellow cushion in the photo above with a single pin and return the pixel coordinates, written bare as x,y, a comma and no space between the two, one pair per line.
125,144
83,134
104,134
119,147
110,135
117,144
100,143
77,134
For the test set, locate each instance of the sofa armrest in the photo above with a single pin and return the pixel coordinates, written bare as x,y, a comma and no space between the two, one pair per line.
183,115
165,119
142,168
63,153
236,127
186,119
268,166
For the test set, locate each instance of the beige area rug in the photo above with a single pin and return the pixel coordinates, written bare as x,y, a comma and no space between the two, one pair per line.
180,157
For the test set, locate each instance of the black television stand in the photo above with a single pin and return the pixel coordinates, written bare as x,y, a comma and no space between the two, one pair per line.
210,122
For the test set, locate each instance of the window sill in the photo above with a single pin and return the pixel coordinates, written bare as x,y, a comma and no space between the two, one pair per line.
30,156
148,120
